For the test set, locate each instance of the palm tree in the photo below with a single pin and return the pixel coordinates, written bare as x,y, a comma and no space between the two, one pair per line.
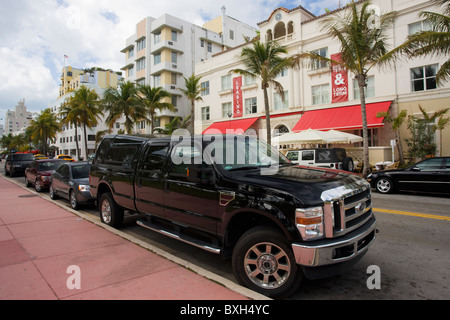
435,41
70,115
87,101
123,101
265,61
151,98
175,124
44,128
192,91
363,46
396,124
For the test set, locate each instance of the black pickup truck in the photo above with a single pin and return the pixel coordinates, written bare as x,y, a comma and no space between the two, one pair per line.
237,197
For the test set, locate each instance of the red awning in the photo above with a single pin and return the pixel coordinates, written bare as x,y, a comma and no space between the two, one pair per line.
232,126
342,118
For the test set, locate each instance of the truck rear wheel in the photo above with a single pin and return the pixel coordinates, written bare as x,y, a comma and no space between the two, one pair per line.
110,213
263,261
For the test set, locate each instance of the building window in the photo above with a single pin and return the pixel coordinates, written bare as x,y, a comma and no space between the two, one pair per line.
369,90
231,35
174,36
418,27
140,64
141,44
173,78
323,53
140,82
174,57
226,82
424,78
205,113
131,53
205,88
202,43
174,100
250,105
157,59
278,103
131,72
209,47
249,80
157,80
157,38
320,94
283,73
227,109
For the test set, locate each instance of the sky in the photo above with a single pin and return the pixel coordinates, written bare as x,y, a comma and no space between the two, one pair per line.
35,35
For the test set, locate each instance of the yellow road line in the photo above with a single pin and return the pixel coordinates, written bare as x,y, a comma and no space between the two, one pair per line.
413,214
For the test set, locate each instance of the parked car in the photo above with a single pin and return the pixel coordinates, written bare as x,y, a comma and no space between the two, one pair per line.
71,181
335,158
429,175
16,163
40,157
65,157
39,172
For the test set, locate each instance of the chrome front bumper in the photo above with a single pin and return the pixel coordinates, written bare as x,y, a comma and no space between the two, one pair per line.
332,251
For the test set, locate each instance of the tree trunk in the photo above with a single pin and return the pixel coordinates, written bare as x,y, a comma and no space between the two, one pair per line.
76,143
266,108
192,117
85,143
366,165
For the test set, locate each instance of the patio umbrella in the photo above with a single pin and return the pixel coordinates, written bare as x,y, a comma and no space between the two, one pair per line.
344,137
307,136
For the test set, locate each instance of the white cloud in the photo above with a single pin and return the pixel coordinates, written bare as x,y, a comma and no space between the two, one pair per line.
35,36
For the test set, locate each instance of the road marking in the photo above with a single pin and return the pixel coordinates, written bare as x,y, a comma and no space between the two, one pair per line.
413,214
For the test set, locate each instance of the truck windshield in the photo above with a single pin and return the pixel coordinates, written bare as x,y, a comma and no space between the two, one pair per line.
245,152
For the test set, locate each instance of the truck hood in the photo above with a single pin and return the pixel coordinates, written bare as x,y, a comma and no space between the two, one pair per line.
310,186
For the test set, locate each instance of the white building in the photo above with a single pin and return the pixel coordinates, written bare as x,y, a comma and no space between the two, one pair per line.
18,120
308,91
164,50
71,79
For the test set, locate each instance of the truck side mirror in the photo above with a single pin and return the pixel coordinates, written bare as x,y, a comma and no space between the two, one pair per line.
198,174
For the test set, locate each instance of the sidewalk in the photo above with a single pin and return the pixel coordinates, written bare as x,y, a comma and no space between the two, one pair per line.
40,240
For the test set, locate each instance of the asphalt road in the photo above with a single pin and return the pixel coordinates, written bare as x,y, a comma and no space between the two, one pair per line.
410,258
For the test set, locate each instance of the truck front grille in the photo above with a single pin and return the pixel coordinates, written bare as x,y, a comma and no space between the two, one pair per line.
347,211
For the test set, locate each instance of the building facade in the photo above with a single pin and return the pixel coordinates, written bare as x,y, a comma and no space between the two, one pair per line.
72,79
18,120
166,49
317,97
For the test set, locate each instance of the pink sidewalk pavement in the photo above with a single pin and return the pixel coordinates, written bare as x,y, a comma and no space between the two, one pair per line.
39,241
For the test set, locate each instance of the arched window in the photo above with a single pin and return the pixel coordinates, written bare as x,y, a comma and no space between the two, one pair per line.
269,35
281,129
290,27
280,30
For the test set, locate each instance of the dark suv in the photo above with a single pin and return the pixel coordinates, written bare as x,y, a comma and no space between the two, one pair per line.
16,163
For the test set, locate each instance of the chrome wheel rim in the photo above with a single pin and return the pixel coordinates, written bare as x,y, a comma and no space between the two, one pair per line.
106,211
267,265
73,199
383,185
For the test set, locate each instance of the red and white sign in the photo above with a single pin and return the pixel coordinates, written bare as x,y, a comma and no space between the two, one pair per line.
339,81
237,97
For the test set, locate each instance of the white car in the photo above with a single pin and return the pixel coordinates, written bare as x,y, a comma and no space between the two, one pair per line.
335,158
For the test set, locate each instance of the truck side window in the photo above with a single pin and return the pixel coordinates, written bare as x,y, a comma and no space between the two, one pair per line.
188,154
308,155
104,151
155,158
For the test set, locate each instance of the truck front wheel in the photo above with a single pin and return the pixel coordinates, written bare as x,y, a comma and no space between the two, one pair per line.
110,213
263,261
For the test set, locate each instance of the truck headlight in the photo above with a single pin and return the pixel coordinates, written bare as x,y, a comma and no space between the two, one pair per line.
84,188
309,222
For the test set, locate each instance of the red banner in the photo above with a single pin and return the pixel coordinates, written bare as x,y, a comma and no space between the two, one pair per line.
339,81
237,97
